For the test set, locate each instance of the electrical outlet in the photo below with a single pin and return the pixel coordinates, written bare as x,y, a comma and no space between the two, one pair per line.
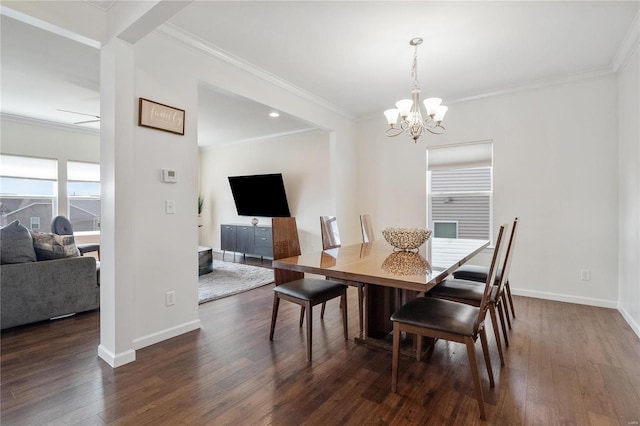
585,275
170,298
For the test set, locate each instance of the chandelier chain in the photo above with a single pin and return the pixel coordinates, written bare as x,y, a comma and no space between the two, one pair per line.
414,67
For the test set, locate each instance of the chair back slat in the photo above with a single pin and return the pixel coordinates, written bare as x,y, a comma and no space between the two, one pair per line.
330,233
506,265
491,276
367,228
285,244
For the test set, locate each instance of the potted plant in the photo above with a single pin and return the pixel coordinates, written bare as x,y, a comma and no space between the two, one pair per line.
200,206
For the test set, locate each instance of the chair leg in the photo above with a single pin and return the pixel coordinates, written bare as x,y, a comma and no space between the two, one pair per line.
503,301
507,289
309,328
419,340
360,306
471,353
395,356
274,314
343,303
487,358
504,329
324,305
301,315
496,332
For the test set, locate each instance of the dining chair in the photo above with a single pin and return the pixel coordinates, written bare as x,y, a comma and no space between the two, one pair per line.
367,228
479,273
456,322
294,287
330,240
470,292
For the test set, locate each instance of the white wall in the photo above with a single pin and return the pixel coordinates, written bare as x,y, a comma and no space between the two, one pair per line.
555,166
303,159
629,189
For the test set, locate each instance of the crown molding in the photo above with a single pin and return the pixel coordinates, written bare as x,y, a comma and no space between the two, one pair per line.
628,45
48,124
536,85
47,26
190,40
258,138
103,5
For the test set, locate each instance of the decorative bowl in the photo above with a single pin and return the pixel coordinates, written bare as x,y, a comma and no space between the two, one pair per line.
406,238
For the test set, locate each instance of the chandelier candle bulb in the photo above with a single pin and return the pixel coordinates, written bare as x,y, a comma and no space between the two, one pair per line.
432,105
441,111
392,116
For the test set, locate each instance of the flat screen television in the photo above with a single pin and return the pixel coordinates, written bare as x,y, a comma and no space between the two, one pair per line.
260,195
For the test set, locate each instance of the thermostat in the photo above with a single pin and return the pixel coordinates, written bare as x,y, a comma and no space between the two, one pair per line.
169,176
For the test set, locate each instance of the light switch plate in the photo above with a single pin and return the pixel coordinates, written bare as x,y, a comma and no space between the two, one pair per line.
170,207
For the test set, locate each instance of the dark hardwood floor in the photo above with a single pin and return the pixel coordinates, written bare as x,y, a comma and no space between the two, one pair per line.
566,364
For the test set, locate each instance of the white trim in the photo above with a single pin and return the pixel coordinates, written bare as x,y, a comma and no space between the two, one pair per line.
190,40
48,124
537,85
153,338
602,303
628,45
632,323
118,360
47,26
258,138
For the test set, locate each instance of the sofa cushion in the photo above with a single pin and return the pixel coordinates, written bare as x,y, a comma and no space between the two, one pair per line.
17,244
49,246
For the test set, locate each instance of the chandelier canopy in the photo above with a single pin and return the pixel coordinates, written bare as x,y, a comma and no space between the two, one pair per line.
407,118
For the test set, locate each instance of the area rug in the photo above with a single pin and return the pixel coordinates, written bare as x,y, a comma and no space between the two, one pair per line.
230,278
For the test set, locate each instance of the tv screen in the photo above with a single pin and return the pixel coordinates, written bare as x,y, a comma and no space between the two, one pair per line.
260,195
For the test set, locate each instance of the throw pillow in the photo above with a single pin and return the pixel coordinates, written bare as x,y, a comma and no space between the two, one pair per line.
16,244
50,246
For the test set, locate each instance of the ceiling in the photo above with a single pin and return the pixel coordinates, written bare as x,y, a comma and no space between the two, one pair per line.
353,56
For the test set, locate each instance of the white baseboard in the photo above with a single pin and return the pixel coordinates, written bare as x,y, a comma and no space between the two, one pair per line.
566,298
118,360
632,323
160,336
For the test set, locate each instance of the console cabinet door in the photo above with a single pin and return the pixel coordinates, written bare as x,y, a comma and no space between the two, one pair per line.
245,240
228,237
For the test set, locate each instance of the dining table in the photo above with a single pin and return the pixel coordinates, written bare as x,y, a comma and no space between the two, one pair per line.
392,277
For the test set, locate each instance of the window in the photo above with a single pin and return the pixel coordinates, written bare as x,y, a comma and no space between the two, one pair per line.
83,191
28,190
460,190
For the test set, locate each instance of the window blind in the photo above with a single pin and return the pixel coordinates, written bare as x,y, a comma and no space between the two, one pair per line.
28,167
475,154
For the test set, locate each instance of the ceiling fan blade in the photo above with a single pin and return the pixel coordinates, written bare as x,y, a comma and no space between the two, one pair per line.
76,112
88,121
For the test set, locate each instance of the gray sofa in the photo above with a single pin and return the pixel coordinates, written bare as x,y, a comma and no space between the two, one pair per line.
34,290
37,291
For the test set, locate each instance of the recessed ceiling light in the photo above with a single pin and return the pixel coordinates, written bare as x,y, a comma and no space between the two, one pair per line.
274,114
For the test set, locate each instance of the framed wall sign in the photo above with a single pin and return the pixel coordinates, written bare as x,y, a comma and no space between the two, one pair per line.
162,117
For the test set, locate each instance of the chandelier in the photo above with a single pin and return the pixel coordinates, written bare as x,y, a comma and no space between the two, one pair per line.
406,117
